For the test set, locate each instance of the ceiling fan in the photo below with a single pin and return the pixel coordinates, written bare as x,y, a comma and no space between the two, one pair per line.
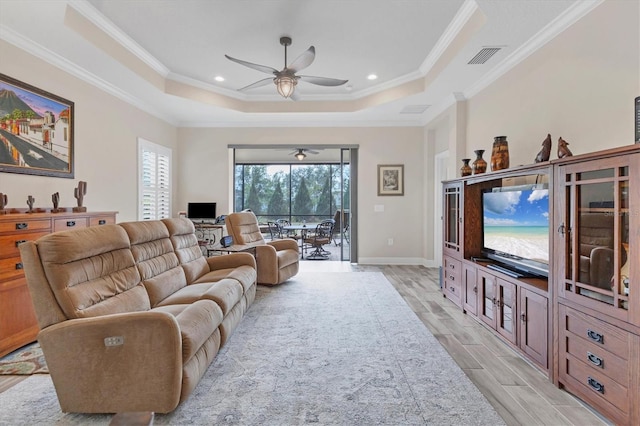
287,79
299,153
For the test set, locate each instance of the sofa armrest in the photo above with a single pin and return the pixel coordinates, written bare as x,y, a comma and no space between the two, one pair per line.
284,244
232,260
143,372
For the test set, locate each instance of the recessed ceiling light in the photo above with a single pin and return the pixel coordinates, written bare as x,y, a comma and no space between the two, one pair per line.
219,78
372,77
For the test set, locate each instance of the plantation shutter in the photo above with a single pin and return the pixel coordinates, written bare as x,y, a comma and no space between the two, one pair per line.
154,182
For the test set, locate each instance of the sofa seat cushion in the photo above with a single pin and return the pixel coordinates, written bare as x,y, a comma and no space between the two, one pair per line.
198,321
245,275
286,258
225,293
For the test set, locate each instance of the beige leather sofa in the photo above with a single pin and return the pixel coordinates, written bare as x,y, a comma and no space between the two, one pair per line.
131,315
277,260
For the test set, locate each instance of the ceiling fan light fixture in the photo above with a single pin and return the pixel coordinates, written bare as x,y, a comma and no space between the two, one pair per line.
300,155
286,85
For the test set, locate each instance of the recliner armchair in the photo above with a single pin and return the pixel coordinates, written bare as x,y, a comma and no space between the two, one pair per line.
276,261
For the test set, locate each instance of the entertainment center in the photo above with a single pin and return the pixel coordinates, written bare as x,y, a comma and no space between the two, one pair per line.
545,256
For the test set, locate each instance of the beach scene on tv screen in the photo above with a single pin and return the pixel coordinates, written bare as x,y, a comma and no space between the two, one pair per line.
517,223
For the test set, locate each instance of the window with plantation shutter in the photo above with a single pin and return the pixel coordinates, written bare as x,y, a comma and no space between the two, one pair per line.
154,181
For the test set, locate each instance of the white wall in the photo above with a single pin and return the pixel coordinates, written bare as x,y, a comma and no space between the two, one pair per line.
204,175
580,86
106,132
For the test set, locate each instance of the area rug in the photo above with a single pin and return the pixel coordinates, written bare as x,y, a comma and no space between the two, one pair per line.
339,348
26,360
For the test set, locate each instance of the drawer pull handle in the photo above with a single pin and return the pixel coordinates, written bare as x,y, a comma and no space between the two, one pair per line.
452,289
19,265
102,222
596,337
20,242
596,385
452,278
452,266
595,360
22,225
475,289
71,223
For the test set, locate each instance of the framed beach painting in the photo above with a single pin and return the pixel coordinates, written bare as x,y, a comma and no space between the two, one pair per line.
391,179
36,130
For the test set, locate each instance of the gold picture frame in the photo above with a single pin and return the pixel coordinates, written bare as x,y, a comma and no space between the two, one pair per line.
390,179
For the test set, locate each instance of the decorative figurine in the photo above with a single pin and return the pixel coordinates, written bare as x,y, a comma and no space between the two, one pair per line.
30,201
55,198
479,165
4,200
466,170
79,194
545,152
500,153
563,150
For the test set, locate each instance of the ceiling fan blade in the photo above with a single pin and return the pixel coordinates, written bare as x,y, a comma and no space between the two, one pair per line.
304,60
294,96
262,68
311,151
322,81
258,83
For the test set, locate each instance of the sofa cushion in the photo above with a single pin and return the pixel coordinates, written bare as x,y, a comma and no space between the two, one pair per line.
243,228
226,293
157,263
245,275
186,247
90,279
197,322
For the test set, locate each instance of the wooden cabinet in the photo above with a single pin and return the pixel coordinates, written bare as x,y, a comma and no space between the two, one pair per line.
533,326
452,219
452,284
498,304
18,325
469,289
597,267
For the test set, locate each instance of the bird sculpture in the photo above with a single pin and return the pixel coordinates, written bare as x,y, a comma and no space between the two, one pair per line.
545,152
563,149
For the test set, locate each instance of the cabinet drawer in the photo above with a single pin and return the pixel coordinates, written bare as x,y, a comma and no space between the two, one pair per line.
599,360
452,267
11,268
452,285
9,243
102,220
25,225
66,224
597,386
593,330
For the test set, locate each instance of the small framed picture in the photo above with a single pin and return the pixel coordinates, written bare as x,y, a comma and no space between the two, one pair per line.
390,179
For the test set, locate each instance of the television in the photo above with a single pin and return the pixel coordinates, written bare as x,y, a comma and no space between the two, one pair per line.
515,229
201,211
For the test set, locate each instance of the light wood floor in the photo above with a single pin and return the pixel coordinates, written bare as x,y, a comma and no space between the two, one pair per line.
519,392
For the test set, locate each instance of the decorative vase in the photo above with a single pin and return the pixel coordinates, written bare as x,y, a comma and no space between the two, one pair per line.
465,170
479,165
500,153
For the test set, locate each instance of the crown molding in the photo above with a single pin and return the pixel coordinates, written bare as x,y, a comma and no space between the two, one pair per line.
87,10
542,37
41,52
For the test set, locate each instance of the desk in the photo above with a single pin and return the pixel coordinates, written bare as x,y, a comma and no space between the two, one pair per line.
303,228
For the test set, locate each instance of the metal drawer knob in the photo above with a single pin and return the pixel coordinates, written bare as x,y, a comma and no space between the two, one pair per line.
595,385
596,337
595,360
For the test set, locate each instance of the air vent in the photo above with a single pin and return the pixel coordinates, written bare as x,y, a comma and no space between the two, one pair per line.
414,109
484,55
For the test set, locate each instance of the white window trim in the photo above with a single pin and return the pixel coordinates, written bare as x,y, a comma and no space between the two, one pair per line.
145,145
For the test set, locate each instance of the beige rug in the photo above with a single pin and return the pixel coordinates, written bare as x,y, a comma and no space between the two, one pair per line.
24,361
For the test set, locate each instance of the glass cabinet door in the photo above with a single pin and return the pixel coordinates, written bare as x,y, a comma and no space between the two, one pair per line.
452,218
507,308
594,203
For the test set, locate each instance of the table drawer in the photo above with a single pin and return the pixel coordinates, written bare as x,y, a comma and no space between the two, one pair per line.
102,220
452,283
593,330
11,268
65,224
597,386
9,243
25,225
597,359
